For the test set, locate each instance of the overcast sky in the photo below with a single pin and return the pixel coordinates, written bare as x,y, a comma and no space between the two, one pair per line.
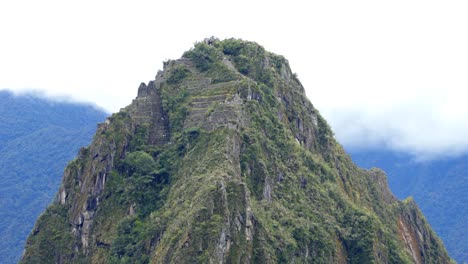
383,73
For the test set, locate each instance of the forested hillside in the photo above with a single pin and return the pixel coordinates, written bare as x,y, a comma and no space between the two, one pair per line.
38,137
440,187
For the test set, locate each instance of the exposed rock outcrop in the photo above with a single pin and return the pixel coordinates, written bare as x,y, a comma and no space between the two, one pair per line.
222,159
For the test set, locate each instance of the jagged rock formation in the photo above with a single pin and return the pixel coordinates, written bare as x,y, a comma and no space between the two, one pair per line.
222,159
440,188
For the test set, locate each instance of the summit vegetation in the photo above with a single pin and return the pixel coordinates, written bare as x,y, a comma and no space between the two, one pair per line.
223,159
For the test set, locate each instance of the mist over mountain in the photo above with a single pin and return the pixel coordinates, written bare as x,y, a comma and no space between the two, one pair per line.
38,137
427,128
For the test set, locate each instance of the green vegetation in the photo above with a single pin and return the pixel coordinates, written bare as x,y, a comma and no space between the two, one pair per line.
175,103
251,173
205,56
144,181
178,74
37,139
209,59
55,242
438,187
252,60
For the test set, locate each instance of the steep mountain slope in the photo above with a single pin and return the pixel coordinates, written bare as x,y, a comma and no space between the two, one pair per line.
37,138
222,159
440,188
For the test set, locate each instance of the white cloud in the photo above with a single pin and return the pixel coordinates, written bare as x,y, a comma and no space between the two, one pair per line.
392,73
424,129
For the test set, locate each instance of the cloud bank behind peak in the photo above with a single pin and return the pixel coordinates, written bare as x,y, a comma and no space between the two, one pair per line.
427,128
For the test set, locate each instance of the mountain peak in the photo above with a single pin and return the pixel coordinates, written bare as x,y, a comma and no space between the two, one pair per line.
223,159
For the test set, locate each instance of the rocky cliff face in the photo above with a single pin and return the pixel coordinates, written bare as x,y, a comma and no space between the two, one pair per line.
222,159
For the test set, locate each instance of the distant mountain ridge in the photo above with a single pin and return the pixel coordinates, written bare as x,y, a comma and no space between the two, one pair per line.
440,187
37,139
25,113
